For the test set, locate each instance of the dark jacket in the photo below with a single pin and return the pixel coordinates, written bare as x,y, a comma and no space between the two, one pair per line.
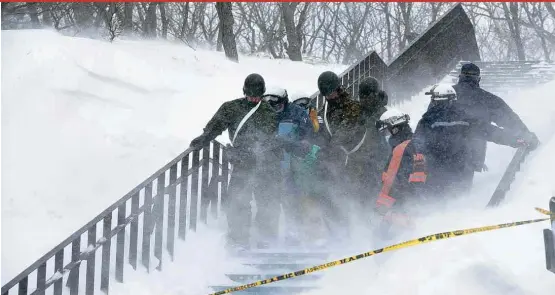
294,127
299,116
488,108
443,132
372,156
257,133
341,131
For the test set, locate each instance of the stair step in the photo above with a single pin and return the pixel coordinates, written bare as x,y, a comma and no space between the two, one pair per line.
282,266
282,254
273,288
245,277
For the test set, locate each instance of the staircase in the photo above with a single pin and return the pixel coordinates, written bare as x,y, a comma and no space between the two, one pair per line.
500,78
265,264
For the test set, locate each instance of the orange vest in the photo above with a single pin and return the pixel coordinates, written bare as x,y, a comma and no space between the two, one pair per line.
388,178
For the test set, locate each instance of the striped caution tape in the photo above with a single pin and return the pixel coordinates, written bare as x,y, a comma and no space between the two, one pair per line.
406,244
545,212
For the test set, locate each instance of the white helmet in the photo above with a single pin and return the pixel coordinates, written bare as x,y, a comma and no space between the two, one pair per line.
275,94
391,118
442,92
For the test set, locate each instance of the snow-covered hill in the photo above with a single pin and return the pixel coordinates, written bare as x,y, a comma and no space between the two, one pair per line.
84,121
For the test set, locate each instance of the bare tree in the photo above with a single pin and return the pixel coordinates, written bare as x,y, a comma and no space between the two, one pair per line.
226,28
294,31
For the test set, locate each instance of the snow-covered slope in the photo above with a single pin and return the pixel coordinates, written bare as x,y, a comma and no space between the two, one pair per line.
508,261
84,121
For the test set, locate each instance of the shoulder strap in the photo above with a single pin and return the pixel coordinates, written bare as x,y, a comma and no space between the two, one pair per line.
356,148
326,118
245,118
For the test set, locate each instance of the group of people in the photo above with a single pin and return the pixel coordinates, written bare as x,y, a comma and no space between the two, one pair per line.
352,161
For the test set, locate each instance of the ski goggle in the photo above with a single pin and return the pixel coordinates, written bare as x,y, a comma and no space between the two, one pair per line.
273,99
303,101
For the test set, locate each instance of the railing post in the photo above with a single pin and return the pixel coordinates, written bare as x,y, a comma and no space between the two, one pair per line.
134,231
171,211
194,191
41,278
105,268
205,194
147,227
58,266
23,286
91,241
549,240
225,179
159,218
120,244
213,185
183,190
73,280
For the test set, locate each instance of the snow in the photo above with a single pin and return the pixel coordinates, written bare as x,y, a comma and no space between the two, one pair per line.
84,121
508,261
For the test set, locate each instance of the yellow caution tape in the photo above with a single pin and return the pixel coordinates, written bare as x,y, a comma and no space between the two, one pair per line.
545,212
406,244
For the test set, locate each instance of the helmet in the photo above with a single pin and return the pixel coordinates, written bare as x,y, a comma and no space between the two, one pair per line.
442,92
254,85
277,97
328,82
470,69
302,101
368,86
391,118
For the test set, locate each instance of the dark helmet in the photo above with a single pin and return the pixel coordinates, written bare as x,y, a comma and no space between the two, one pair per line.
470,69
470,72
328,82
254,86
368,86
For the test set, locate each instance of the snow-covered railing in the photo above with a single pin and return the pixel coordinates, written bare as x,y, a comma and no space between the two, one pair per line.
549,240
169,202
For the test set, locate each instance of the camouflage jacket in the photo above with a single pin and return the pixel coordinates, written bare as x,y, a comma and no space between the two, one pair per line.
342,130
256,134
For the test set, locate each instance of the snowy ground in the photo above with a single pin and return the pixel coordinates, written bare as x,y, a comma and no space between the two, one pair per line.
79,114
509,261
84,121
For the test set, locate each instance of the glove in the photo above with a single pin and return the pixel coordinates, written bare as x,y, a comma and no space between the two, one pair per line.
309,160
197,143
529,140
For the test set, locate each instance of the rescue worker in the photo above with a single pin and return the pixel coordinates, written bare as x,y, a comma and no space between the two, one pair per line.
401,179
252,126
442,135
295,130
489,108
373,154
340,136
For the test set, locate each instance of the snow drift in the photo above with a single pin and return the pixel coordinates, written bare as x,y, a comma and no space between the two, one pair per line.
84,121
